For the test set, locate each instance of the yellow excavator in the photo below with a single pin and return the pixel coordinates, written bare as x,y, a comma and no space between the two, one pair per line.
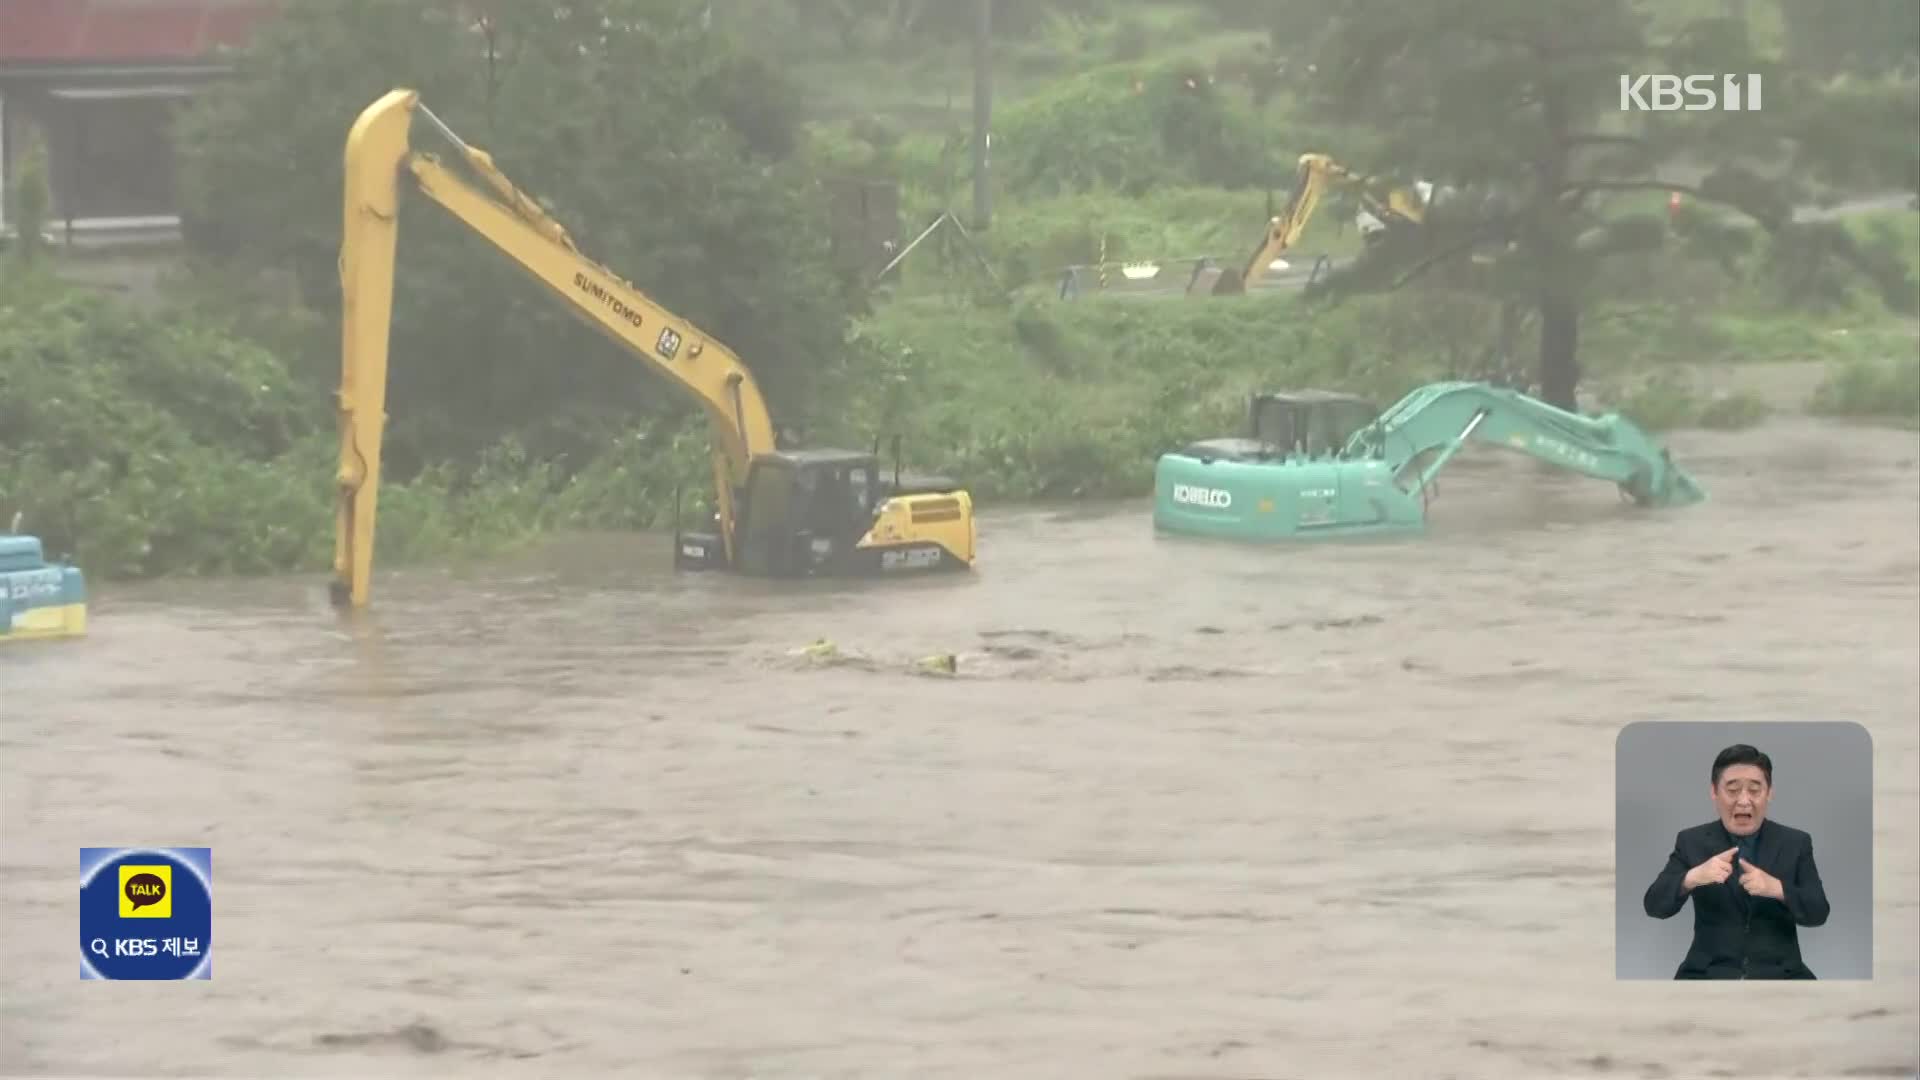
1390,207
779,512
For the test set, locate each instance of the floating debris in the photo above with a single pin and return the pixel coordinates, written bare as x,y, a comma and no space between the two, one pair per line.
938,664
821,649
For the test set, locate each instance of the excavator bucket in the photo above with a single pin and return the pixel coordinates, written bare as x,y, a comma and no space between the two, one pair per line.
1661,484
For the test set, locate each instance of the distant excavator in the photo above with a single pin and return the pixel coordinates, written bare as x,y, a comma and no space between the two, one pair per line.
1318,463
1384,208
780,511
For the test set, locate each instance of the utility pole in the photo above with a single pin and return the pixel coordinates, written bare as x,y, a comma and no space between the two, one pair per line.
982,109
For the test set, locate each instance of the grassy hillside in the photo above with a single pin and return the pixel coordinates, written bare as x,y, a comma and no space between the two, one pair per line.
924,82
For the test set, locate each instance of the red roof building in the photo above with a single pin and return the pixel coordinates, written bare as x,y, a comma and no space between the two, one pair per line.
96,83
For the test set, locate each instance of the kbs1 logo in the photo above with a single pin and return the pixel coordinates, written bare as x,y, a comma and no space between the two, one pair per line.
1693,93
146,913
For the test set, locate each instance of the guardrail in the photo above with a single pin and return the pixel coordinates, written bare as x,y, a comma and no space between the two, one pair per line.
1151,276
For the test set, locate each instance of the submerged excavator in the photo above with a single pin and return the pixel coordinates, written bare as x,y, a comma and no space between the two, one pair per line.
1384,208
1319,463
779,511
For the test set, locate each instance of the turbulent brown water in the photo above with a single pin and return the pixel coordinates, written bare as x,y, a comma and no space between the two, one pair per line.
1183,810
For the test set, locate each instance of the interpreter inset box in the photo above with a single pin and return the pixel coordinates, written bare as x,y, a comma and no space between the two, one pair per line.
1743,851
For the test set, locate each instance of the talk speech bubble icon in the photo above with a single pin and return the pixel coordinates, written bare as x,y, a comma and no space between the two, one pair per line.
145,889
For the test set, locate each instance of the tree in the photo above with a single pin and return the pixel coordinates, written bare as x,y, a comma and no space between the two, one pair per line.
30,199
1873,37
665,150
797,29
1518,105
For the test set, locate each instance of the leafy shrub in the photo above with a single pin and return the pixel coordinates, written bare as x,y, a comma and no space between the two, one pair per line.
148,445
1132,129
1670,400
144,445
1886,389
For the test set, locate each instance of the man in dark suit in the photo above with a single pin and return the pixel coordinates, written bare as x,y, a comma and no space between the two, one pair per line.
1752,881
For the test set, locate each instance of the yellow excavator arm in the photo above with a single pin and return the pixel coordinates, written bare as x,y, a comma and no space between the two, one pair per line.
378,155
1316,172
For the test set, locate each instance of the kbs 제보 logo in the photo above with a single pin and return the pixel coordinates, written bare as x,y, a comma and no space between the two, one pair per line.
146,913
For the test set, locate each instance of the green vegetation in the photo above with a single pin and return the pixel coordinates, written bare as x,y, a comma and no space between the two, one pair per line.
178,445
1523,98
1874,389
690,160
1067,400
151,447
1645,338
28,201
1079,399
1670,399
672,155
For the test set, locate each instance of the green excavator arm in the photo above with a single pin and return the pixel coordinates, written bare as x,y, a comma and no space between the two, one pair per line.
1427,427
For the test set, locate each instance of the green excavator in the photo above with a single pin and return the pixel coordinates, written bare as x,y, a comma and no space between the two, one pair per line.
1318,463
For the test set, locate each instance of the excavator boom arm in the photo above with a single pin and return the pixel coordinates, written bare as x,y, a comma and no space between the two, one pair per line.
1283,230
1438,419
1316,172
378,153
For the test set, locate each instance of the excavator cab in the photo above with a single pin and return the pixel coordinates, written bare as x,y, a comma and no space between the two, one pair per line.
1316,423
827,512
805,511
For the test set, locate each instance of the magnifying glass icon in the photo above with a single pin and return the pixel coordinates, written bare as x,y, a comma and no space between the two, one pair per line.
99,947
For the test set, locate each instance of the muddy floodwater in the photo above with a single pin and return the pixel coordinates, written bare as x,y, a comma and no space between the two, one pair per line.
1183,809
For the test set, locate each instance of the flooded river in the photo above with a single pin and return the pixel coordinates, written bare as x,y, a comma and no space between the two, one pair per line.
1182,809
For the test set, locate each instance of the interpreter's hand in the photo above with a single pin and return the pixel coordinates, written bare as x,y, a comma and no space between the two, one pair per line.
1712,872
1758,882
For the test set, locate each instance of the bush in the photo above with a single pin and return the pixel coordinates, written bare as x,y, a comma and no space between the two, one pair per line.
1079,399
29,199
1133,129
1872,389
1670,401
151,445
143,446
